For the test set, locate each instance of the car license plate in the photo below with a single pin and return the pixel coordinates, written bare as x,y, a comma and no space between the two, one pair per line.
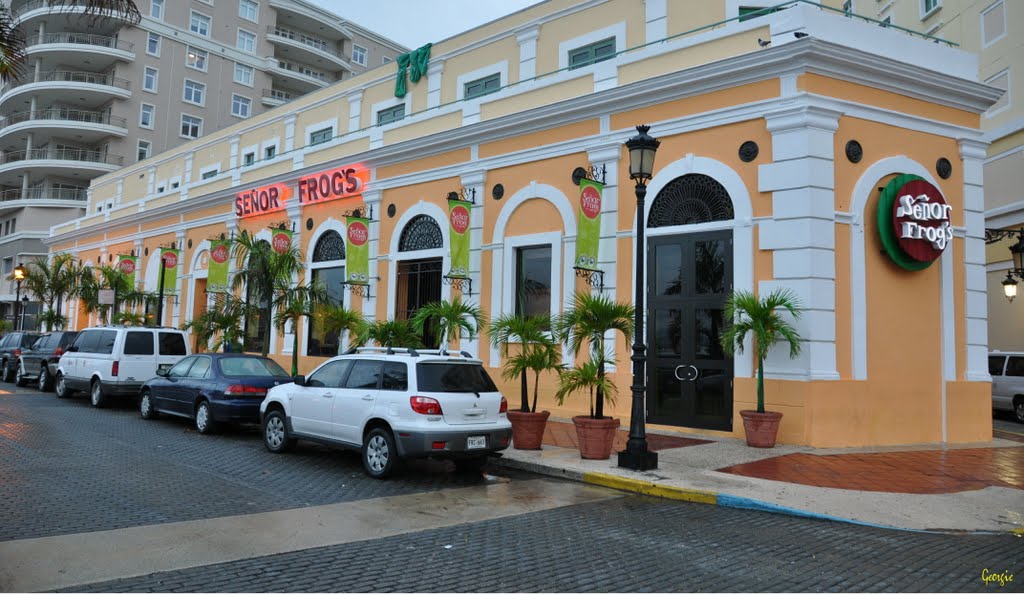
476,442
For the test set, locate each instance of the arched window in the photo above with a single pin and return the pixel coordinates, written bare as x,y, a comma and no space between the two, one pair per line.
422,233
328,269
693,198
255,328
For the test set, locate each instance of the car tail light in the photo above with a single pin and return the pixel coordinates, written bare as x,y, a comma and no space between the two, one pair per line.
58,351
438,445
504,406
17,352
241,390
425,405
115,367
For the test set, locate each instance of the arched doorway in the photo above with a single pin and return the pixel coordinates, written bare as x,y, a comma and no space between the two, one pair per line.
419,272
690,259
327,268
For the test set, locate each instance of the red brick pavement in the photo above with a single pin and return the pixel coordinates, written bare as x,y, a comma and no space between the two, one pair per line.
563,434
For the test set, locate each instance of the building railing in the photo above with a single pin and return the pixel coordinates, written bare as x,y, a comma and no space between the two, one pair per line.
44,194
62,155
71,76
305,71
312,41
277,94
81,38
60,6
60,113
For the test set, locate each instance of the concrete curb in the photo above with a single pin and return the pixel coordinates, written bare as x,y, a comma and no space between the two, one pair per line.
648,488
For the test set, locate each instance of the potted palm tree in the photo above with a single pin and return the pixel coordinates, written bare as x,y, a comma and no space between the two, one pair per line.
537,353
450,318
589,377
389,333
292,304
589,319
336,318
761,318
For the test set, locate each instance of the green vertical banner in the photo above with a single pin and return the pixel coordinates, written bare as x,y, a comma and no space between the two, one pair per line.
281,240
588,236
458,226
169,257
357,250
217,270
127,265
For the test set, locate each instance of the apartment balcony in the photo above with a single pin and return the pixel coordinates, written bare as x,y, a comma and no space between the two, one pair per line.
276,97
78,164
305,17
291,45
65,14
79,50
65,86
86,126
294,75
38,197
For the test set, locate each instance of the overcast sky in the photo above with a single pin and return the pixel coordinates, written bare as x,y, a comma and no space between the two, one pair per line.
413,23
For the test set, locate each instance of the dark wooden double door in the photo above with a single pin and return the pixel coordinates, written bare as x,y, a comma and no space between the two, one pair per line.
689,377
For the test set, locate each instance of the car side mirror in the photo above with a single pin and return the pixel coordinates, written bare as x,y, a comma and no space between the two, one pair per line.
72,348
161,372
299,380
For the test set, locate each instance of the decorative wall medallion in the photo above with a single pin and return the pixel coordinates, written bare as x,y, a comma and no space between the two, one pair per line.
854,152
147,251
190,244
748,151
392,209
498,191
944,168
309,224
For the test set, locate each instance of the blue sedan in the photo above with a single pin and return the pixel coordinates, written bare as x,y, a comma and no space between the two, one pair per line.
212,388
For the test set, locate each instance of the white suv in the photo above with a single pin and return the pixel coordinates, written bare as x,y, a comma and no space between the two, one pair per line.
114,361
392,404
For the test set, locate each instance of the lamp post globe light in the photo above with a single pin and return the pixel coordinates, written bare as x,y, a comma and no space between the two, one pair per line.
19,276
642,148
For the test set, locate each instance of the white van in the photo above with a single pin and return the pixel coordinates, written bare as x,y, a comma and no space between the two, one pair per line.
1007,370
115,361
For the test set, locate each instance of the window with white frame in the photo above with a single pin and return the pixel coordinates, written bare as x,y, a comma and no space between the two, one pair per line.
246,41
927,6
249,158
146,115
385,60
199,24
391,114
482,86
270,152
533,280
145,149
993,23
196,58
249,10
149,79
244,74
1001,81
321,136
591,53
241,106
848,6
191,126
195,92
359,55
153,45
156,9
327,270
209,174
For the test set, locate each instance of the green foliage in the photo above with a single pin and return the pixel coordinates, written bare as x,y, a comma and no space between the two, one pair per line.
451,317
220,325
760,318
292,304
588,376
537,353
390,333
338,319
265,274
52,320
130,318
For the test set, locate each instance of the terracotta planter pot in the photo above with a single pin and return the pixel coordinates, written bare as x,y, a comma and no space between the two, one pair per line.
527,429
595,436
761,428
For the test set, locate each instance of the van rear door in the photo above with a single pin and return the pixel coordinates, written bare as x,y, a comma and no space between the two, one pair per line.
138,356
171,348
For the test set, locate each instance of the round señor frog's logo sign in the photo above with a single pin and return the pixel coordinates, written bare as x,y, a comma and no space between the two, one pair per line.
281,242
219,254
357,233
127,266
170,260
460,219
913,222
590,202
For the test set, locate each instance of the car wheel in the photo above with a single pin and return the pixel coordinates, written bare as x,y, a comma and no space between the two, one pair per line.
146,408
96,396
19,378
1018,409
275,433
44,379
8,373
205,423
470,465
61,387
380,457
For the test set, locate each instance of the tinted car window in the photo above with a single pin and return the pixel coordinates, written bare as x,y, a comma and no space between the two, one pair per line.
28,340
42,343
201,369
444,377
106,342
250,366
5,341
396,376
138,343
172,344
330,375
1015,366
995,364
180,369
67,338
87,341
364,374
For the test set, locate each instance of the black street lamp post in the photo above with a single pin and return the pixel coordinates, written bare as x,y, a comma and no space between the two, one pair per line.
642,148
24,306
19,276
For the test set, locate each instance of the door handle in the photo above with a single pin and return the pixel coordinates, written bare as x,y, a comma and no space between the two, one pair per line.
328,395
696,372
367,397
676,373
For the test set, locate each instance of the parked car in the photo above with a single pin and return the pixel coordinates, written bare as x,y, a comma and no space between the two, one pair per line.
1007,370
115,361
212,388
39,362
11,346
392,404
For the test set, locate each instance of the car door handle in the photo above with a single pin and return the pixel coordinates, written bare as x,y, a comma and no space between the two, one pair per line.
367,397
328,395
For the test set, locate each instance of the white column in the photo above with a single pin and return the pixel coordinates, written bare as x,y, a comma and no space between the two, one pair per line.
434,72
973,154
475,180
372,198
607,156
656,16
527,40
289,133
355,106
179,283
801,233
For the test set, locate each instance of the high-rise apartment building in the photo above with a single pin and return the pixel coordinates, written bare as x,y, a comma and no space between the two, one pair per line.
100,95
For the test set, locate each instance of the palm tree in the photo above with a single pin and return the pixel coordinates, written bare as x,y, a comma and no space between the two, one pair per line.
588,376
336,318
390,333
51,280
52,319
95,279
130,318
451,317
748,314
590,318
292,304
221,323
262,271
535,345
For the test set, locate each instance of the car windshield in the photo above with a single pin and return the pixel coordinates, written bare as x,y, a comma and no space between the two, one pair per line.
28,340
250,366
445,377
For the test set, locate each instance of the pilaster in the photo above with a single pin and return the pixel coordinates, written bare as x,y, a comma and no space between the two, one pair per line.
527,40
972,156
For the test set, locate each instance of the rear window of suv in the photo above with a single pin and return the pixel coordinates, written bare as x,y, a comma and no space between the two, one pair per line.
138,343
172,344
445,377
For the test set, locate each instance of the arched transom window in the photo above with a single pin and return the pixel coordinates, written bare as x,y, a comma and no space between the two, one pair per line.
689,199
422,233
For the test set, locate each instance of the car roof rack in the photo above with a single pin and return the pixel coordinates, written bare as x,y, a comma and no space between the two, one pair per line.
387,350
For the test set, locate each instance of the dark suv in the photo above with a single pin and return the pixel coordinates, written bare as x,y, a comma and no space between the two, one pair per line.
11,347
40,361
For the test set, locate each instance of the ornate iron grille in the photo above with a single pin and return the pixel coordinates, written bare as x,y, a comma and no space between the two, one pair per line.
422,233
693,198
330,246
